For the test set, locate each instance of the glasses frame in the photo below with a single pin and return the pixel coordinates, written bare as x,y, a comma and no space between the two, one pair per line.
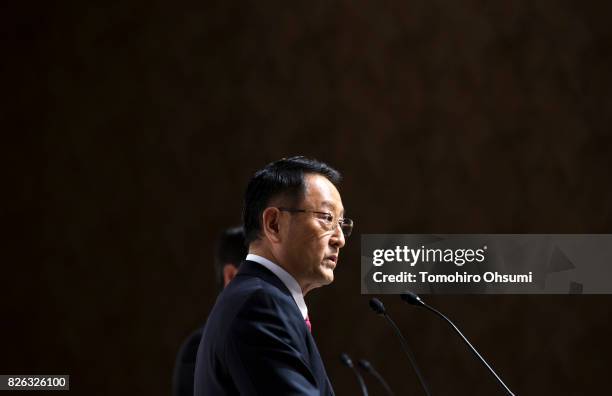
342,221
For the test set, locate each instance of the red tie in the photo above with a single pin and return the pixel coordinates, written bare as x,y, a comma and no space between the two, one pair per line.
308,324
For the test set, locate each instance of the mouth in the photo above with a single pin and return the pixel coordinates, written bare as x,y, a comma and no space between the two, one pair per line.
332,258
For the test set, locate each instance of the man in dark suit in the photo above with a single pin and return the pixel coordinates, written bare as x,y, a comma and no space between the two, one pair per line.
230,251
257,340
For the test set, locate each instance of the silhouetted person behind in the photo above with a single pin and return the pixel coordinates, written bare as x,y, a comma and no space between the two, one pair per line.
230,252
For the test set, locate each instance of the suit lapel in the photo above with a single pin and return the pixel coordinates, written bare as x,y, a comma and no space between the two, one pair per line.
251,268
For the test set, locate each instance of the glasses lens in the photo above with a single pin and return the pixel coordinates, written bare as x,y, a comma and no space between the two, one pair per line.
347,227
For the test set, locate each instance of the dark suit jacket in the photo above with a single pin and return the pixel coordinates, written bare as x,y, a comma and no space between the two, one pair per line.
182,378
256,342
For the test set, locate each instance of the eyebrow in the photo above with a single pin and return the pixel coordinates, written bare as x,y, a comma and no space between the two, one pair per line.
331,206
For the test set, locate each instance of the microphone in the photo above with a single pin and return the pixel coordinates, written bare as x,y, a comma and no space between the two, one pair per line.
412,298
346,360
378,307
367,367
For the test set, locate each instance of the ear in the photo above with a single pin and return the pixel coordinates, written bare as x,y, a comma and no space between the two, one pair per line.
229,272
270,224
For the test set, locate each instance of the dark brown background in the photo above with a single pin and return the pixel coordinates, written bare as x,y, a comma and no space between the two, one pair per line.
131,131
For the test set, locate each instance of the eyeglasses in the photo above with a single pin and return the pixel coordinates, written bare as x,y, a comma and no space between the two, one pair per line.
327,219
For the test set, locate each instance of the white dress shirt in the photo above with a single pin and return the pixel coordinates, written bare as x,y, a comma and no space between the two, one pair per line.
286,278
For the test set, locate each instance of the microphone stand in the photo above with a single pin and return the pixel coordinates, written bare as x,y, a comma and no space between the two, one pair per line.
413,299
346,360
367,366
379,308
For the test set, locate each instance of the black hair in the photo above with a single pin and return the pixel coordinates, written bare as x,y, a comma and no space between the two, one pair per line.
231,249
283,177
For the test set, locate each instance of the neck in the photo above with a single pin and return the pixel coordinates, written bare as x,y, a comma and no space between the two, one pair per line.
264,251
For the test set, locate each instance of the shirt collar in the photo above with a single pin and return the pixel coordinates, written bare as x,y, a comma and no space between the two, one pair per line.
286,278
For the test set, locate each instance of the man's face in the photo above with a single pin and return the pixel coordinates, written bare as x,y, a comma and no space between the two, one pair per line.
309,248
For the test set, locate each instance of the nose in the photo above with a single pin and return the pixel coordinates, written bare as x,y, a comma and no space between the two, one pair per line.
337,239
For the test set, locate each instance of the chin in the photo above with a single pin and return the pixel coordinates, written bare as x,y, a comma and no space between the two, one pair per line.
328,276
